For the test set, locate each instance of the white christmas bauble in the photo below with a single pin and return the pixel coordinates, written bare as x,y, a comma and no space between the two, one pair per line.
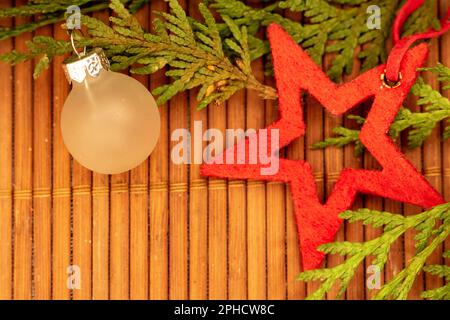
110,123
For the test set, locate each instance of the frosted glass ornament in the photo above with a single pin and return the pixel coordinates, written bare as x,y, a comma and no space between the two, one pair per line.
110,122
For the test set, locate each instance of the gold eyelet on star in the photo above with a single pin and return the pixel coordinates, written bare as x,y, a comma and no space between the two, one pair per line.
389,84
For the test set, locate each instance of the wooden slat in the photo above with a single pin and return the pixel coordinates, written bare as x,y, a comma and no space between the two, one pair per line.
6,166
295,151
139,213
42,182
198,196
100,236
374,203
100,223
396,254
61,184
178,214
276,223
296,290
432,160
139,227
119,250
217,218
159,262
334,161
159,203
82,231
415,156
354,231
256,204
178,204
445,59
314,113
198,211
119,264
237,215
23,176
217,215
159,198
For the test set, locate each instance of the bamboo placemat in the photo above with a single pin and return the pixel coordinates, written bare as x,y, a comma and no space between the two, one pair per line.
162,231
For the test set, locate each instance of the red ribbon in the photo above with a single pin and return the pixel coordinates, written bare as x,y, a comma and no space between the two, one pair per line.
402,45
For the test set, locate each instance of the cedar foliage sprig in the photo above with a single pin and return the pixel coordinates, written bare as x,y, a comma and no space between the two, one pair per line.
227,69
328,28
42,47
218,57
192,50
420,124
324,21
443,271
433,228
344,136
421,19
47,12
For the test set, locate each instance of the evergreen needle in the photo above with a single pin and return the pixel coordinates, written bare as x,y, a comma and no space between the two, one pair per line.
394,227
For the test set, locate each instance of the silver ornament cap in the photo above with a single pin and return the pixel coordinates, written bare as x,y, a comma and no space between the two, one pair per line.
92,63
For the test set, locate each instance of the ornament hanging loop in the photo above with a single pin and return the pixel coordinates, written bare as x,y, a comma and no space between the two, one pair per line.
85,63
72,42
402,45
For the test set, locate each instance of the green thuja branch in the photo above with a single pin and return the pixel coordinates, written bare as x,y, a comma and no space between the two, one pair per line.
436,109
420,124
443,271
327,28
42,47
347,29
47,12
215,57
433,228
344,136
192,50
399,287
421,19
435,103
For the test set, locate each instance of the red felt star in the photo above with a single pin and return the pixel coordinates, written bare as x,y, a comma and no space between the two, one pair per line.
295,72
